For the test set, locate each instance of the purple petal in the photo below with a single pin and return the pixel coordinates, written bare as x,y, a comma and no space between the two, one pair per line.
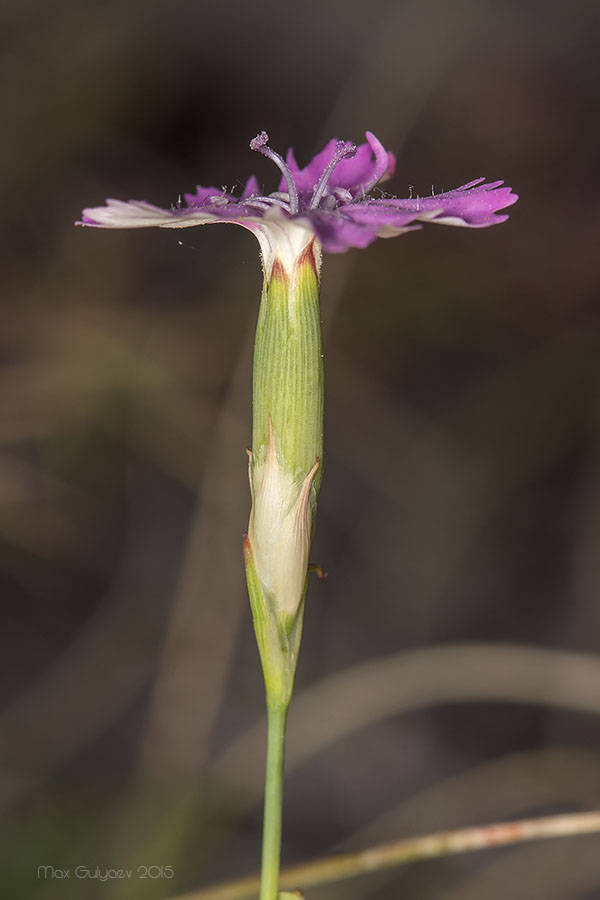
473,205
359,226
382,167
252,188
371,213
337,234
203,195
307,177
359,171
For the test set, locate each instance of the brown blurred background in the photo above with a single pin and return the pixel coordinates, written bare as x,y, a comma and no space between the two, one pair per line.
461,502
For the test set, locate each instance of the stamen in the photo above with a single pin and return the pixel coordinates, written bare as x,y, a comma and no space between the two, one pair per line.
257,204
268,202
276,201
381,161
343,150
259,143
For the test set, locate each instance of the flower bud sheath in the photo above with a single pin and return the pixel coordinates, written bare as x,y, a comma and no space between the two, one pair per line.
285,466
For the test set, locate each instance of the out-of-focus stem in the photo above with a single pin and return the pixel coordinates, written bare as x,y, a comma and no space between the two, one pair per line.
397,853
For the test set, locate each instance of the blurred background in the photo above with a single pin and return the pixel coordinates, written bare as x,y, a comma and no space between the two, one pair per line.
448,673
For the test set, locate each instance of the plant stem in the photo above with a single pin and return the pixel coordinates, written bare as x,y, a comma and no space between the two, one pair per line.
271,847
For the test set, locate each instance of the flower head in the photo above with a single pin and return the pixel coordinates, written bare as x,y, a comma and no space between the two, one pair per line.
329,199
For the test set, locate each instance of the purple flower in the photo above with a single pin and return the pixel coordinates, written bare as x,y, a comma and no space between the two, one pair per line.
329,199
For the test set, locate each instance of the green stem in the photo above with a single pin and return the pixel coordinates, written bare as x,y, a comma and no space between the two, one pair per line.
271,848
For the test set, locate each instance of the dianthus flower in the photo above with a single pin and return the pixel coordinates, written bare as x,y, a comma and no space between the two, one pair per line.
330,199
328,205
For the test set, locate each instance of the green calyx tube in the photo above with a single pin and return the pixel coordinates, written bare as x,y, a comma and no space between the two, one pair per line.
286,461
